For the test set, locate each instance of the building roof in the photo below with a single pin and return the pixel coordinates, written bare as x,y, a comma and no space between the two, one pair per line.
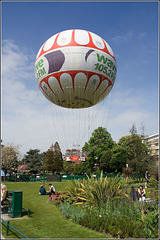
152,137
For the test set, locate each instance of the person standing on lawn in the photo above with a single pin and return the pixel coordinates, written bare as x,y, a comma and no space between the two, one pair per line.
146,178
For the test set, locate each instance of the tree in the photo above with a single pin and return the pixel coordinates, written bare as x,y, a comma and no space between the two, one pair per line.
138,157
53,159
97,145
68,167
22,168
34,160
58,157
10,156
48,161
133,129
80,168
118,158
105,161
142,129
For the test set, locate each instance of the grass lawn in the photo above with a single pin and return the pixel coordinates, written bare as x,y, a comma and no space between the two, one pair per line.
45,220
150,191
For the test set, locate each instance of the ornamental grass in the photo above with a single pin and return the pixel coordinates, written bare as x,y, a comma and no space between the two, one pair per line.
95,192
103,205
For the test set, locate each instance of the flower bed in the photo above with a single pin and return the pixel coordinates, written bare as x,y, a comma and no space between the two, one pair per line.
116,220
117,215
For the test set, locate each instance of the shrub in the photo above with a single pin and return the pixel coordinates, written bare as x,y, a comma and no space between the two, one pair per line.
151,222
96,192
70,212
153,183
110,211
113,220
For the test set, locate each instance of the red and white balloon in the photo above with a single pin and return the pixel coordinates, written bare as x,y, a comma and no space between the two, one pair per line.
75,69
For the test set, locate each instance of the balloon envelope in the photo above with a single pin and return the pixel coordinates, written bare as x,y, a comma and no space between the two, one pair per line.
75,69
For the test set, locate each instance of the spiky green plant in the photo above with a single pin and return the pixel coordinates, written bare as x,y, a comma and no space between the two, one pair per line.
95,192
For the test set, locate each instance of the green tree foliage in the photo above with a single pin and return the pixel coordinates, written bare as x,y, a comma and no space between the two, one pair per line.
118,158
68,167
48,161
58,157
53,159
80,169
105,161
34,160
137,154
9,157
97,145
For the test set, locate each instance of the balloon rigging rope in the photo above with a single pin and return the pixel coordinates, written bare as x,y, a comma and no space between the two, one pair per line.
45,116
106,111
80,122
75,126
56,129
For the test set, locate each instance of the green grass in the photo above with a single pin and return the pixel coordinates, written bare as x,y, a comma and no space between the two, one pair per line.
151,192
45,220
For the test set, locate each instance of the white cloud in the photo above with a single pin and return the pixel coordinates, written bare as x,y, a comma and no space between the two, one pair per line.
19,96
128,117
123,38
128,98
128,107
16,61
142,35
32,121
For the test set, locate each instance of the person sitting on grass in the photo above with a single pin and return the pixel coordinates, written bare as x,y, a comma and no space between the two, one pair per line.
142,193
51,190
134,194
42,190
4,195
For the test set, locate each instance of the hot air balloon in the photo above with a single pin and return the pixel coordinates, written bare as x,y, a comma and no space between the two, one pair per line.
75,69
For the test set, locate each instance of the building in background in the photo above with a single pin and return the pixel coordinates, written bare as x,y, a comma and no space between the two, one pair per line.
152,142
75,156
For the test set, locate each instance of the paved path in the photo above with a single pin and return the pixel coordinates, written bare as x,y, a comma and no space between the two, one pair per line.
2,236
6,217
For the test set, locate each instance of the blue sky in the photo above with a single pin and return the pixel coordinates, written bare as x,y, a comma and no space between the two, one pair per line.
130,28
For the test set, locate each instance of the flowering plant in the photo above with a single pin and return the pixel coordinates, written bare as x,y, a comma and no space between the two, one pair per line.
60,198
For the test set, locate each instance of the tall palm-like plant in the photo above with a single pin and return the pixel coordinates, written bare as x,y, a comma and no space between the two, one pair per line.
95,192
